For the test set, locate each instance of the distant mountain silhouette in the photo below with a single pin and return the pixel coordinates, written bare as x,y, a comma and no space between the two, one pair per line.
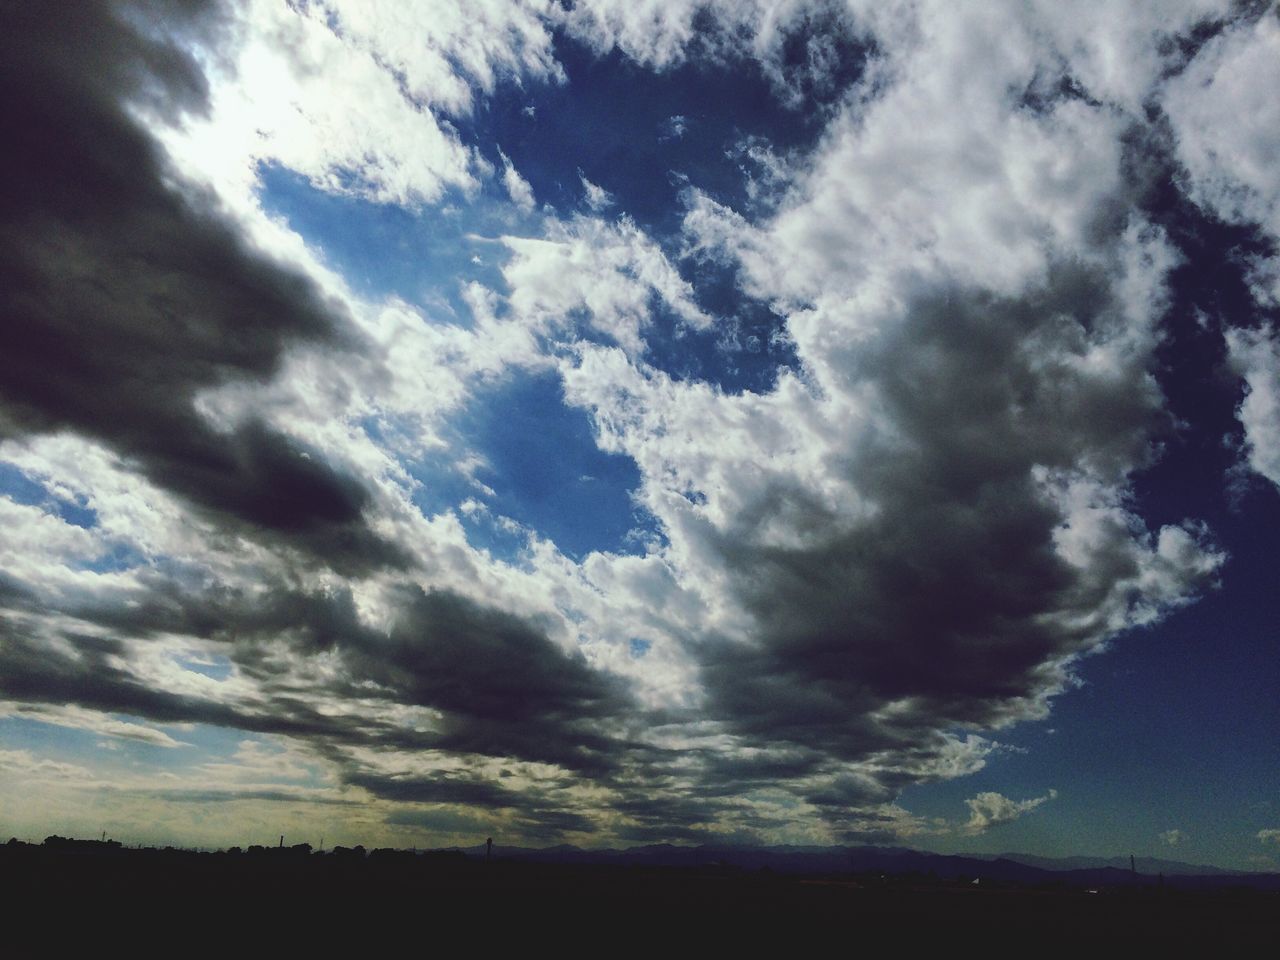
1147,865
1005,867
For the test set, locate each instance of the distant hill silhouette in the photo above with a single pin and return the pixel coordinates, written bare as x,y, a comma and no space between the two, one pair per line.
1005,868
1148,865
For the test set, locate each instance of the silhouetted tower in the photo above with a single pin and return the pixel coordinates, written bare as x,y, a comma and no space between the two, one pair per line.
1133,865
282,841
488,849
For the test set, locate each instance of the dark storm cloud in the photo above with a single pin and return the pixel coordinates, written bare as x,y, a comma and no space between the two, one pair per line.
124,295
952,602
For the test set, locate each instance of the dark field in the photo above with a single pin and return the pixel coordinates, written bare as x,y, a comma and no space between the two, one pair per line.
284,897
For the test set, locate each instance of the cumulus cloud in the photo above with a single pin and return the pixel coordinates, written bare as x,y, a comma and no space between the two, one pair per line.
990,809
1172,837
1227,132
610,271
858,574
927,528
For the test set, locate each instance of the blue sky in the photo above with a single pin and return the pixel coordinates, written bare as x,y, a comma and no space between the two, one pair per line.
789,422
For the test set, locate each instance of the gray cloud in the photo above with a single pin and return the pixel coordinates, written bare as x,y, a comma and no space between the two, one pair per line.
952,606
91,671
498,685
127,293
502,687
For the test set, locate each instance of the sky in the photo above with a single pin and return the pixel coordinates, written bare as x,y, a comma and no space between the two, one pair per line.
642,421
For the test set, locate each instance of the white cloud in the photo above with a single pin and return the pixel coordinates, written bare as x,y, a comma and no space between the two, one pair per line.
597,197
517,186
991,809
654,32
448,50
24,766
1227,126
1255,356
297,94
1172,838
611,271
673,127
77,718
1269,836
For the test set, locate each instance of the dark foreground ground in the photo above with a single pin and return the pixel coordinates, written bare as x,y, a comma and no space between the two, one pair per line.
144,899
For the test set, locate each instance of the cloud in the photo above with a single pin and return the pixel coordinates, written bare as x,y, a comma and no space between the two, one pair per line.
990,809
78,719
597,197
480,680
1227,133
611,271
797,44
653,32
1255,357
857,575
122,283
926,527
453,50
231,796
1172,837
1228,130
351,95
517,186
1269,836
26,766
673,127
